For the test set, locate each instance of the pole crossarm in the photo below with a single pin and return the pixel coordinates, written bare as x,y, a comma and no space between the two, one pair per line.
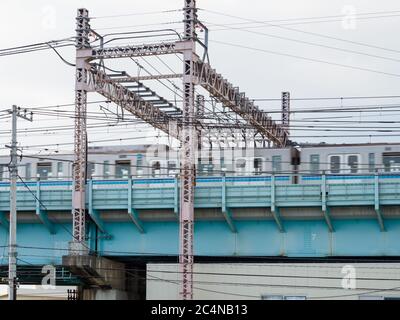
134,51
232,98
99,82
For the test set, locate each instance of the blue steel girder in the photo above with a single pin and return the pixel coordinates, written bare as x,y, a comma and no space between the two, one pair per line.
226,212
3,220
377,204
132,212
41,214
93,213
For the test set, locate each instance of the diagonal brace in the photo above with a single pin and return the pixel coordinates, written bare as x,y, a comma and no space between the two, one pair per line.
93,213
377,204
41,214
134,215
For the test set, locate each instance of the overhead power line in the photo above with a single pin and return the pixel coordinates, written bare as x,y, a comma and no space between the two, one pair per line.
304,32
306,59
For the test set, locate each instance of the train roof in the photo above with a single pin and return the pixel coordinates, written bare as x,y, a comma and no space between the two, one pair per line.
323,144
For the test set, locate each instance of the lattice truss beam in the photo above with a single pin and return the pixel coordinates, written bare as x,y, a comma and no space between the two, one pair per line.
219,88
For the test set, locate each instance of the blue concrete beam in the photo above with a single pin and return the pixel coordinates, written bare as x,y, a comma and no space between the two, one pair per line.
41,214
3,220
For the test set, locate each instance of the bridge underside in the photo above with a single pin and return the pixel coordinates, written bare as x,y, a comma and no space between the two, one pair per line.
307,236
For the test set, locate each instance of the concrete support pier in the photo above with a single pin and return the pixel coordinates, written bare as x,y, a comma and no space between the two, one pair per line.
102,278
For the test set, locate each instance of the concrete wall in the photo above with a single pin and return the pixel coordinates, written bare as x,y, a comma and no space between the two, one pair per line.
252,281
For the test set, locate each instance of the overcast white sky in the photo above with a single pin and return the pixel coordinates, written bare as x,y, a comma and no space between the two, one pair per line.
40,79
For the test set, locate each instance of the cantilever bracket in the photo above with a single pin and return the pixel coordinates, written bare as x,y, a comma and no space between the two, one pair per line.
325,208
277,217
93,213
132,212
228,217
274,209
134,215
377,204
328,220
41,214
226,212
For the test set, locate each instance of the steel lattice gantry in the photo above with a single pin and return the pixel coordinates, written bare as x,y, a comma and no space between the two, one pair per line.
180,124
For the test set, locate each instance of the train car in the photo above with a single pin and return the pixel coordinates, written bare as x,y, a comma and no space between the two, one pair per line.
302,163
350,162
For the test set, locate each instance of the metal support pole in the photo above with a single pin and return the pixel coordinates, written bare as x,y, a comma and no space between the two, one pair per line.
186,209
77,246
12,249
13,168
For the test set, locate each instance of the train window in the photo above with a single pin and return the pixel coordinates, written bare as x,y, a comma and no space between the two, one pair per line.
391,162
122,169
240,166
2,171
205,168
258,166
28,172
352,163
156,168
139,164
90,170
276,163
200,167
59,169
222,164
334,164
172,168
106,169
314,163
44,170
371,162
210,167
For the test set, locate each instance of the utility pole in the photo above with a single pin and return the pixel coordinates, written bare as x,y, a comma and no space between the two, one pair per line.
13,168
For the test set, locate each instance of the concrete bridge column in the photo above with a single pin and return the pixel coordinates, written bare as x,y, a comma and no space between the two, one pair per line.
103,279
